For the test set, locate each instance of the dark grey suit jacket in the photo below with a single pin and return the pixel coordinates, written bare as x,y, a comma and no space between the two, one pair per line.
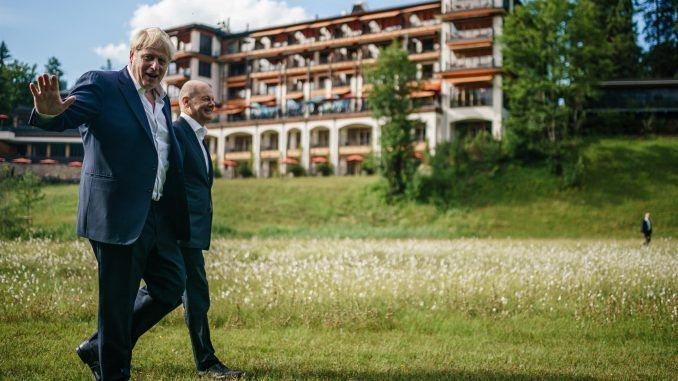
120,165
199,181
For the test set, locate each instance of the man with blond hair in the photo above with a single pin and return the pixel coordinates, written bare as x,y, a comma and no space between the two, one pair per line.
132,202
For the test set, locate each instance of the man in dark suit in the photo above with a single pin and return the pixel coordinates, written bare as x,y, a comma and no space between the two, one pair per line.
196,101
646,229
132,202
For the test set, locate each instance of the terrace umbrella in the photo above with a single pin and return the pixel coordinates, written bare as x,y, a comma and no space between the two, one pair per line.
75,164
355,158
2,159
319,159
48,161
289,160
231,163
2,119
22,160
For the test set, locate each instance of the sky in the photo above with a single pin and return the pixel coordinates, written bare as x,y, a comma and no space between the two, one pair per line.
82,34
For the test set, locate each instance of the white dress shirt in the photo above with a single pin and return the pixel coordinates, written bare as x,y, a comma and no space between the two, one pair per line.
160,131
200,132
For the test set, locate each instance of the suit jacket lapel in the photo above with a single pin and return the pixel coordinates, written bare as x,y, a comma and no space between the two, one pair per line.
210,171
132,98
195,144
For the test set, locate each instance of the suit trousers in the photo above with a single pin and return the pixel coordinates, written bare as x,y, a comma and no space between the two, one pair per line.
196,301
154,257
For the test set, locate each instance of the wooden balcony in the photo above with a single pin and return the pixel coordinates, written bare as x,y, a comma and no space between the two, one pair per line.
470,75
471,45
350,66
472,14
177,79
338,42
200,56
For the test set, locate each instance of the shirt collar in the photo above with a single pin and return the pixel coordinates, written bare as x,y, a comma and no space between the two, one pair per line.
160,92
197,128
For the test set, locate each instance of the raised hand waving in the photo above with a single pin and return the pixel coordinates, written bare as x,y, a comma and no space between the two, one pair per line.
46,97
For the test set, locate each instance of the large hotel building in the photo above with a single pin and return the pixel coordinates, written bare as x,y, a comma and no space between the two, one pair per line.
297,94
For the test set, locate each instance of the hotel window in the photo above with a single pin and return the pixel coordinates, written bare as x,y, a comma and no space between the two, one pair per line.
419,133
470,97
427,71
205,44
205,69
242,143
365,137
323,138
237,69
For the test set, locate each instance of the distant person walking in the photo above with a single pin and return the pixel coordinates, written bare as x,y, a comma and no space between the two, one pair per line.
646,229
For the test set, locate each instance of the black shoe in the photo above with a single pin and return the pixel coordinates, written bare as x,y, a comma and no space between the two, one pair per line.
89,354
219,371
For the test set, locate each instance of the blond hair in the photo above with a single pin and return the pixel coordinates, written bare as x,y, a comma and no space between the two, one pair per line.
152,38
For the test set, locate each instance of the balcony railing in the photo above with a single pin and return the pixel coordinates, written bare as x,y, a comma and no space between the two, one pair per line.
471,34
471,63
472,97
463,5
246,48
186,72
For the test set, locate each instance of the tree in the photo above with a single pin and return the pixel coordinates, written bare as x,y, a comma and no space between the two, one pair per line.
21,75
53,67
620,29
4,54
5,88
661,17
392,77
556,53
14,79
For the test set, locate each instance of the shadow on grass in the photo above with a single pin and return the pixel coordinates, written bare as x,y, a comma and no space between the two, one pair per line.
423,375
623,174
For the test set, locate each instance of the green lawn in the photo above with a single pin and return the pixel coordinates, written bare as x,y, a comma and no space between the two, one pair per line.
624,178
351,309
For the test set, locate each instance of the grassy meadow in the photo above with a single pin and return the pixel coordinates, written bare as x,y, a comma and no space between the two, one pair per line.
623,179
374,309
319,279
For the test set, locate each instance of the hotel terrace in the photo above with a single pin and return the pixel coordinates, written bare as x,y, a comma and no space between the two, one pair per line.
297,94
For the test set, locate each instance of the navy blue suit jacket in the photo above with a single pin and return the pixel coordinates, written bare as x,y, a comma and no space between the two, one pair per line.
120,164
199,180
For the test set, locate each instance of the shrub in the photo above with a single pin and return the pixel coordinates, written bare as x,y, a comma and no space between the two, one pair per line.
483,148
296,170
370,164
324,169
245,171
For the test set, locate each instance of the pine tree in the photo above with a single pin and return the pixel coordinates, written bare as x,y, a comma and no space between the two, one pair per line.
661,32
4,54
53,67
617,18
